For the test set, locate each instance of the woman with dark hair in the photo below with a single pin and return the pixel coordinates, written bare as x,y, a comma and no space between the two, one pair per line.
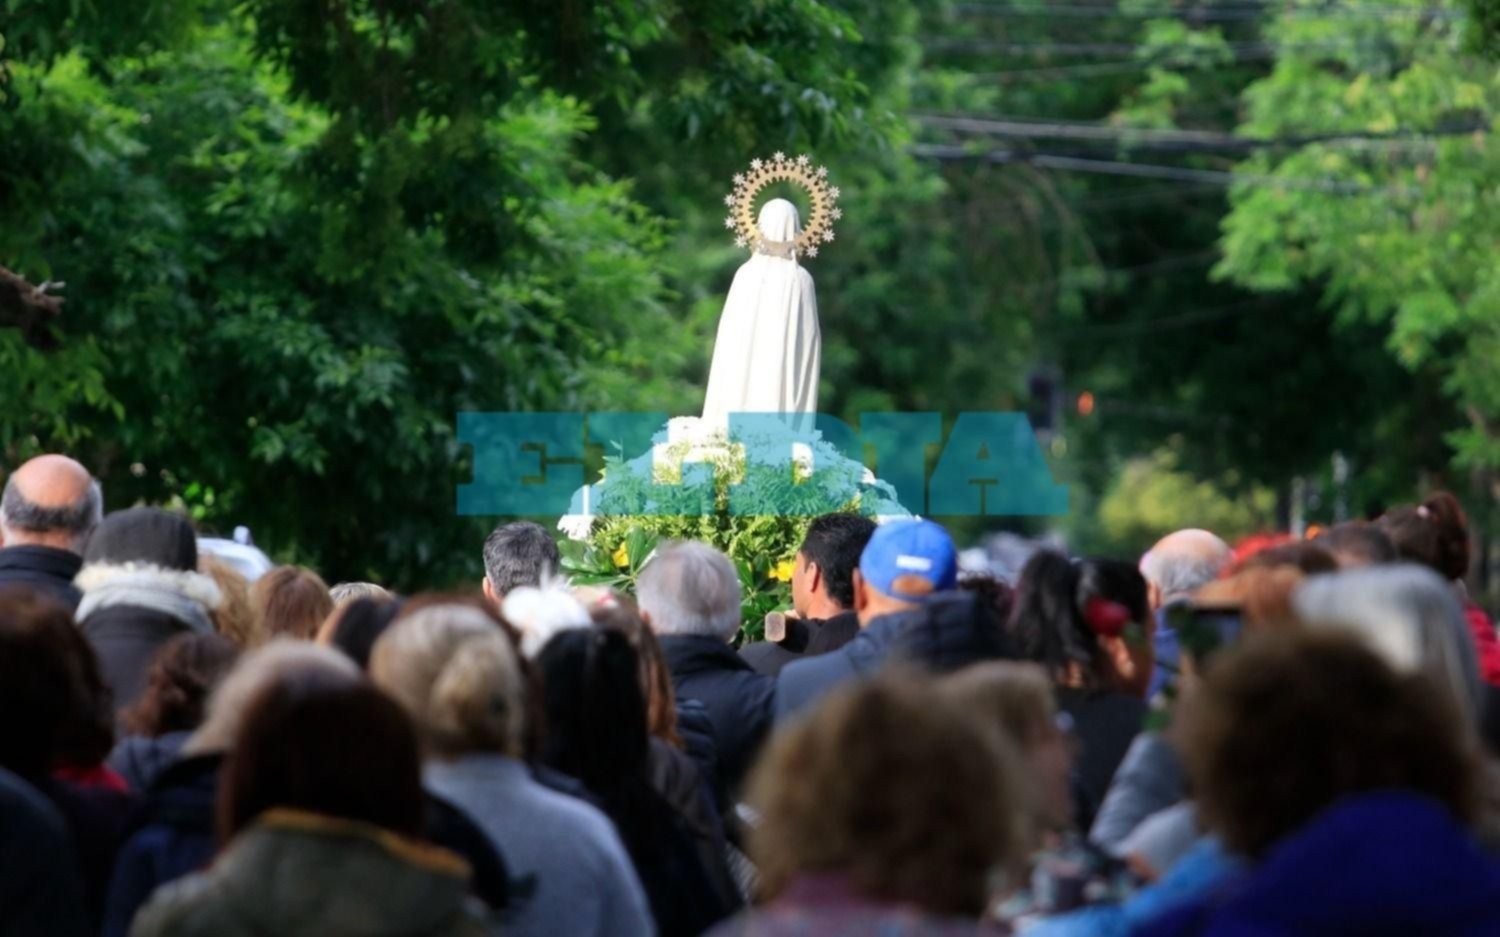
319,814
1088,623
357,624
57,728
682,762
183,674
597,732
1435,533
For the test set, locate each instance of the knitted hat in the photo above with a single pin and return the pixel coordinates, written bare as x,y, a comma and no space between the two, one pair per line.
146,536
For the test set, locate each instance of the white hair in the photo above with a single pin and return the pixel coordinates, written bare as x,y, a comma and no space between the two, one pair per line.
457,674
690,588
1182,563
269,664
1407,614
539,613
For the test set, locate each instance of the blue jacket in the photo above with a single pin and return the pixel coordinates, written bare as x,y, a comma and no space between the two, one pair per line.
946,632
1387,864
174,836
41,888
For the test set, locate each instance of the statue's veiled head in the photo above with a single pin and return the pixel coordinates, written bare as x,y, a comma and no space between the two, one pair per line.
779,223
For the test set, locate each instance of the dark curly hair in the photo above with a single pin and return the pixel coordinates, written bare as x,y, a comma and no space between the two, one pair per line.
1291,721
183,673
1434,533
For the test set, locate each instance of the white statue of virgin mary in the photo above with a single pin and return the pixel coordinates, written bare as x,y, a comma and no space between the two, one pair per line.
768,350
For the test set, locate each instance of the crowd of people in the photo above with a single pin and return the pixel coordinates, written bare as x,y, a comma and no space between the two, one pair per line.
1297,737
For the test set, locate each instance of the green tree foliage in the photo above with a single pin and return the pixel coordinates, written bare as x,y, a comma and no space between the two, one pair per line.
297,239
1417,252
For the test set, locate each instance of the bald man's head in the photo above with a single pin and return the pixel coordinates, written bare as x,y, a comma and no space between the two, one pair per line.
50,501
1181,563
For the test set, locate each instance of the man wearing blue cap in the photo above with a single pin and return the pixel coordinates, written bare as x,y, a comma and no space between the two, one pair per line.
905,581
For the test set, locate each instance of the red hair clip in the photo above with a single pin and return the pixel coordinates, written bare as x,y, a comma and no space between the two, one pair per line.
1105,618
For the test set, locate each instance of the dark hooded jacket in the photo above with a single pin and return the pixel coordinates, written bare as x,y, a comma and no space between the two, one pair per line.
140,588
736,698
948,631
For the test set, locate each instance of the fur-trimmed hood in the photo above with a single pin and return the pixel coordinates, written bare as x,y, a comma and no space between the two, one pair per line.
183,594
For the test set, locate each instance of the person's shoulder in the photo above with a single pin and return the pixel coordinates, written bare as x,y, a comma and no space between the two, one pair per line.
190,906
802,681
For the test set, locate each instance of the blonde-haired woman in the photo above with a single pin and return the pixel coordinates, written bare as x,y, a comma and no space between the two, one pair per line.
458,675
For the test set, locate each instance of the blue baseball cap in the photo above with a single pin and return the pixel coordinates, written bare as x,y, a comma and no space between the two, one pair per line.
910,559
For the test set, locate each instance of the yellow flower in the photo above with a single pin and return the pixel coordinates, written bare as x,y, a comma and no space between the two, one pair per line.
783,571
621,556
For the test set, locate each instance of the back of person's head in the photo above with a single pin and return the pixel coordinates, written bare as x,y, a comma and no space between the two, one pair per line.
596,712
517,554
87,732
1357,543
290,601
1181,563
615,612
1262,594
51,501
355,626
1066,612
234,618
458,676
1434,533
1408,615
1014,695
834,543
37,700
1016,699
1288,723
344,592
991,591
256,669
338,750
596,729
900,791
183,673
690,588
539,612
1310,558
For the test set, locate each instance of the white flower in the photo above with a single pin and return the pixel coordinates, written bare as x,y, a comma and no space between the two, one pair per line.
803,160
822,172
779,156
833,192
812,250
756,163
740,241
828,235
739,178
576,526
729,222
837,213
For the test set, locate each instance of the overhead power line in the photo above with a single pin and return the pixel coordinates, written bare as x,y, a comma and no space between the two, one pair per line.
951,44
1182,140
1205,13
1157,171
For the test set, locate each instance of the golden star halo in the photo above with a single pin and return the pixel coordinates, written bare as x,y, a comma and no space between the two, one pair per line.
818,228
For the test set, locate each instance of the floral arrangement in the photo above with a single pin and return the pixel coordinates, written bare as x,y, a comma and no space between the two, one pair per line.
700,485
